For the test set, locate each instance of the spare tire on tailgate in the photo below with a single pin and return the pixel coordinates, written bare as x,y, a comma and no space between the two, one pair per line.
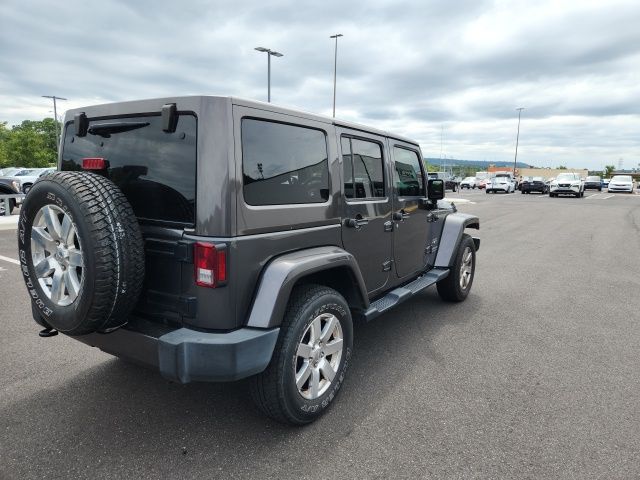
81,252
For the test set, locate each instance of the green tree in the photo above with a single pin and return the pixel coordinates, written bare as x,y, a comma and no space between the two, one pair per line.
4,134
30,144
609,169
561,167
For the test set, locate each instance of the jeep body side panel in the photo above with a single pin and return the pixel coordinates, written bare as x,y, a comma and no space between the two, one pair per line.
282,274
454,226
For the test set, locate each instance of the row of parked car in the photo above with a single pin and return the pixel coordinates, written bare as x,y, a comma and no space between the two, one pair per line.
563,184
15,180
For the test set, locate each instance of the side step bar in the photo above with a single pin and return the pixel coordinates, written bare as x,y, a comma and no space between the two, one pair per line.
400,294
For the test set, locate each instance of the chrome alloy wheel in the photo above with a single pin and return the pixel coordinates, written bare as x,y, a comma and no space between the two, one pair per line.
318,356
466,268
57,255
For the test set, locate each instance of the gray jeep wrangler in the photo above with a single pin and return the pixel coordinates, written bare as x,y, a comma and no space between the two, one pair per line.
216,239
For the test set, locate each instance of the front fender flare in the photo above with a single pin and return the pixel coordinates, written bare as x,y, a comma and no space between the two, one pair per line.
282,273
454,226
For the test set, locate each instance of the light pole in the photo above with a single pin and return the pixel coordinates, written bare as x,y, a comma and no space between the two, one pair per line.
517,140
269,52
55,114
335,70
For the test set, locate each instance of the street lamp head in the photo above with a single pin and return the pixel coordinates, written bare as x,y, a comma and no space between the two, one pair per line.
275,54
336,35
262,49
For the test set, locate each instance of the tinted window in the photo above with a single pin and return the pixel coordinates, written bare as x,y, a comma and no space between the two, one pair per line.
407,173
283,164
363,168
155,170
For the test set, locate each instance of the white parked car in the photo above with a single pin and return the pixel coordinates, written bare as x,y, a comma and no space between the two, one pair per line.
468,182
567,184
26,178
621,183
502,182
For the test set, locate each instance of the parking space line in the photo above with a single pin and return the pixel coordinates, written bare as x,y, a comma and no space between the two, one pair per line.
10,260
604,198
594,195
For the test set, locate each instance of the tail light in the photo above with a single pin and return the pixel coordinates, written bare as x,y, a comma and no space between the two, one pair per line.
210,265
95,163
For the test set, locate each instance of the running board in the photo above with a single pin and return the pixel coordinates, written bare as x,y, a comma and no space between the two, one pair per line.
400,294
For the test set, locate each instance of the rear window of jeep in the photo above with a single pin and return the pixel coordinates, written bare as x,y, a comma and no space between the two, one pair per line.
155,170
283,164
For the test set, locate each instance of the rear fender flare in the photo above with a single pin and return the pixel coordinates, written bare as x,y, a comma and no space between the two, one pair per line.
282,274
454,227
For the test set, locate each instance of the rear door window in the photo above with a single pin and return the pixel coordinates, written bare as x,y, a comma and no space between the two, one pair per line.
363,168
155,170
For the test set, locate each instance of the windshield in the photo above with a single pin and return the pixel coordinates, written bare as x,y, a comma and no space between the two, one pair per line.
503,176
538,179
566,177
469,179
622,178
593,179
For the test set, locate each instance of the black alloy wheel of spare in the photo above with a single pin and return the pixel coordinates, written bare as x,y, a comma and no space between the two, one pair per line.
81,252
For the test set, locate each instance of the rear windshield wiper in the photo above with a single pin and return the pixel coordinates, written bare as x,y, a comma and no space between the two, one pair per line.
106,129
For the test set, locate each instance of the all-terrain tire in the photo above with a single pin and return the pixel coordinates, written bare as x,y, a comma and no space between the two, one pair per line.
112,251
274,391
451,288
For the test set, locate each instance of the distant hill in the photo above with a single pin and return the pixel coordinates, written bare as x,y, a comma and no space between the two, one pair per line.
479,164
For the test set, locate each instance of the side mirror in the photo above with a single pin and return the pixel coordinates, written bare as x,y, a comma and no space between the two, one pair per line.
435,189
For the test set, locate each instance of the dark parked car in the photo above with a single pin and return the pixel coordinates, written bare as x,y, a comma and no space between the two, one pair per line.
534,184
593,182
215,239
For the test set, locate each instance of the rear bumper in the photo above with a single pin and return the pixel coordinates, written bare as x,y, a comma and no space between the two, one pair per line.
184,355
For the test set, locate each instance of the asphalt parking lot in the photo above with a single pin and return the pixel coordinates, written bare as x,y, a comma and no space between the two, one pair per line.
534,376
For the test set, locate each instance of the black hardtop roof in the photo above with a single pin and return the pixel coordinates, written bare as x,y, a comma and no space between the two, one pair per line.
192,99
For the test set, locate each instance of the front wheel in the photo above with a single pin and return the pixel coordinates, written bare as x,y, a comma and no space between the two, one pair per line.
456,287
310,359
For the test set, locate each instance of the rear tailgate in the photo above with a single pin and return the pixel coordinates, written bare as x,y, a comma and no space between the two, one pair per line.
156,170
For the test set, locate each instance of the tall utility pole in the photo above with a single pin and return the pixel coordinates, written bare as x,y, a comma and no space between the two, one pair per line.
335,70
269,52
517,140
55,114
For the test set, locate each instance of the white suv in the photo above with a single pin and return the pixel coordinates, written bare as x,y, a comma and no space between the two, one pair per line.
567,184
468,182
502,182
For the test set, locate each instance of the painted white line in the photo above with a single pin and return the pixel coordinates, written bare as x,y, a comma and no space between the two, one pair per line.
594,196
10,260
604,198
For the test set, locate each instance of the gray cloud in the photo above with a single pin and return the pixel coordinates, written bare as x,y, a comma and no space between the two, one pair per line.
411,66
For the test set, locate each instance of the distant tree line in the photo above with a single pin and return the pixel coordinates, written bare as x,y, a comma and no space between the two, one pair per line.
30,144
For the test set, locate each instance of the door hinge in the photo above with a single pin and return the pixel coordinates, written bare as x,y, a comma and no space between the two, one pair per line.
386,266
388,226
432,217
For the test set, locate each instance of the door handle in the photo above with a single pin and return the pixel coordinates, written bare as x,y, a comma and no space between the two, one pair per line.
401,215
356,223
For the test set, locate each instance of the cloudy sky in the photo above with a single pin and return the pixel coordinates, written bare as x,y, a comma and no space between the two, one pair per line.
431,70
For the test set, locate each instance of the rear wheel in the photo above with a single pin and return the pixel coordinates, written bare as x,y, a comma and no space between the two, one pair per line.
310,359
457,285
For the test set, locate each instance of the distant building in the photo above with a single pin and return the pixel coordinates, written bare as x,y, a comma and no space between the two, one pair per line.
541,172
